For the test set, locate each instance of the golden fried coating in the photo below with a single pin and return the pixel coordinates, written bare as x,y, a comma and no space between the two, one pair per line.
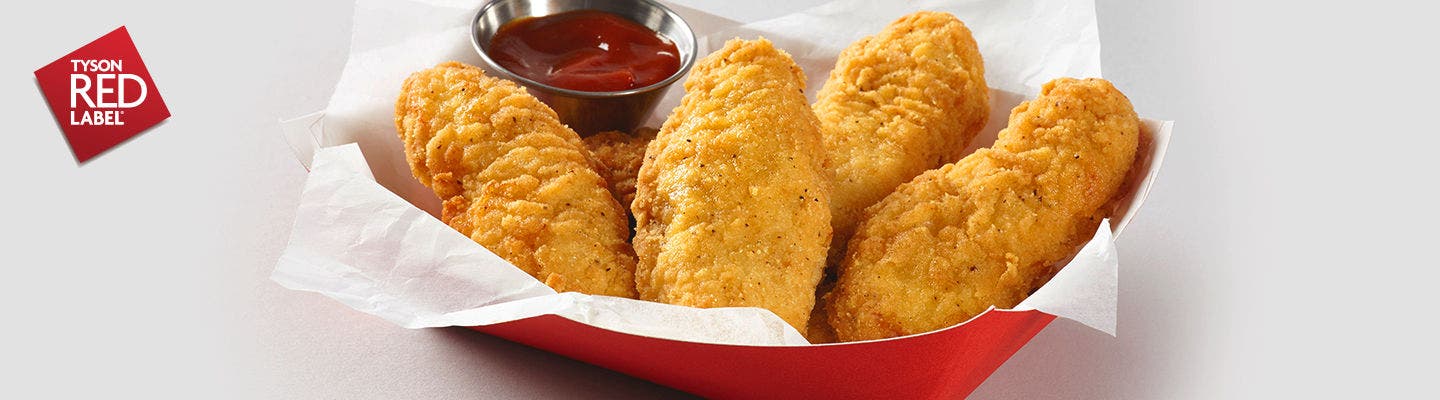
904,101
732,202
621,154
514,179
819,331
988,229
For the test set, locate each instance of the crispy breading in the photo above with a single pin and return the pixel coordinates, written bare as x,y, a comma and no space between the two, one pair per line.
987,230
621,154
732,202
897,104
514,179
819,331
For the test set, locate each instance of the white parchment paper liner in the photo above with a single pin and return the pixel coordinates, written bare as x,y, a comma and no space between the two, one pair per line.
363,235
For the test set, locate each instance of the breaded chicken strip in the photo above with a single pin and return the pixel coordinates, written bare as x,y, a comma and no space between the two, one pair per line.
514,179
732,202
986,231
897,104
621,154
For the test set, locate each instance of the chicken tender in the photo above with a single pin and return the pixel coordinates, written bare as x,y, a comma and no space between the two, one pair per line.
621,155
897,104
514,179
732,202
987,230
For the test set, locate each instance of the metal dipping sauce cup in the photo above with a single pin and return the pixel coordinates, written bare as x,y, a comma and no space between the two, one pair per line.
590,112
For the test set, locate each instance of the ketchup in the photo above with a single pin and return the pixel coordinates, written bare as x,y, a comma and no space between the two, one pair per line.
586,50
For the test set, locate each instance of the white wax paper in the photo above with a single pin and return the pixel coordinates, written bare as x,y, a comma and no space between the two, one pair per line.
363,236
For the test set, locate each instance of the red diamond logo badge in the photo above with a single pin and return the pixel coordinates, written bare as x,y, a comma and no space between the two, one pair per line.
101,94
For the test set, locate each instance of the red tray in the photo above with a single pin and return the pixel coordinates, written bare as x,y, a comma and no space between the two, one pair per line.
949,363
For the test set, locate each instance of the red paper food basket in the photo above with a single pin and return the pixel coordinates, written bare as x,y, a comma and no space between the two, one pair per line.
330,253
948,363
356,265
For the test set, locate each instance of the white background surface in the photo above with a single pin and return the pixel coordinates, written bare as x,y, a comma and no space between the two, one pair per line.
1285,251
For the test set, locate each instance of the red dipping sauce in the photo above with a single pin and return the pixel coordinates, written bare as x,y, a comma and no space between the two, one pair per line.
586,50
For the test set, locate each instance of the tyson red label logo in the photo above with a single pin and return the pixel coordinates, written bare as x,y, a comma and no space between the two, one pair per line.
101,94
